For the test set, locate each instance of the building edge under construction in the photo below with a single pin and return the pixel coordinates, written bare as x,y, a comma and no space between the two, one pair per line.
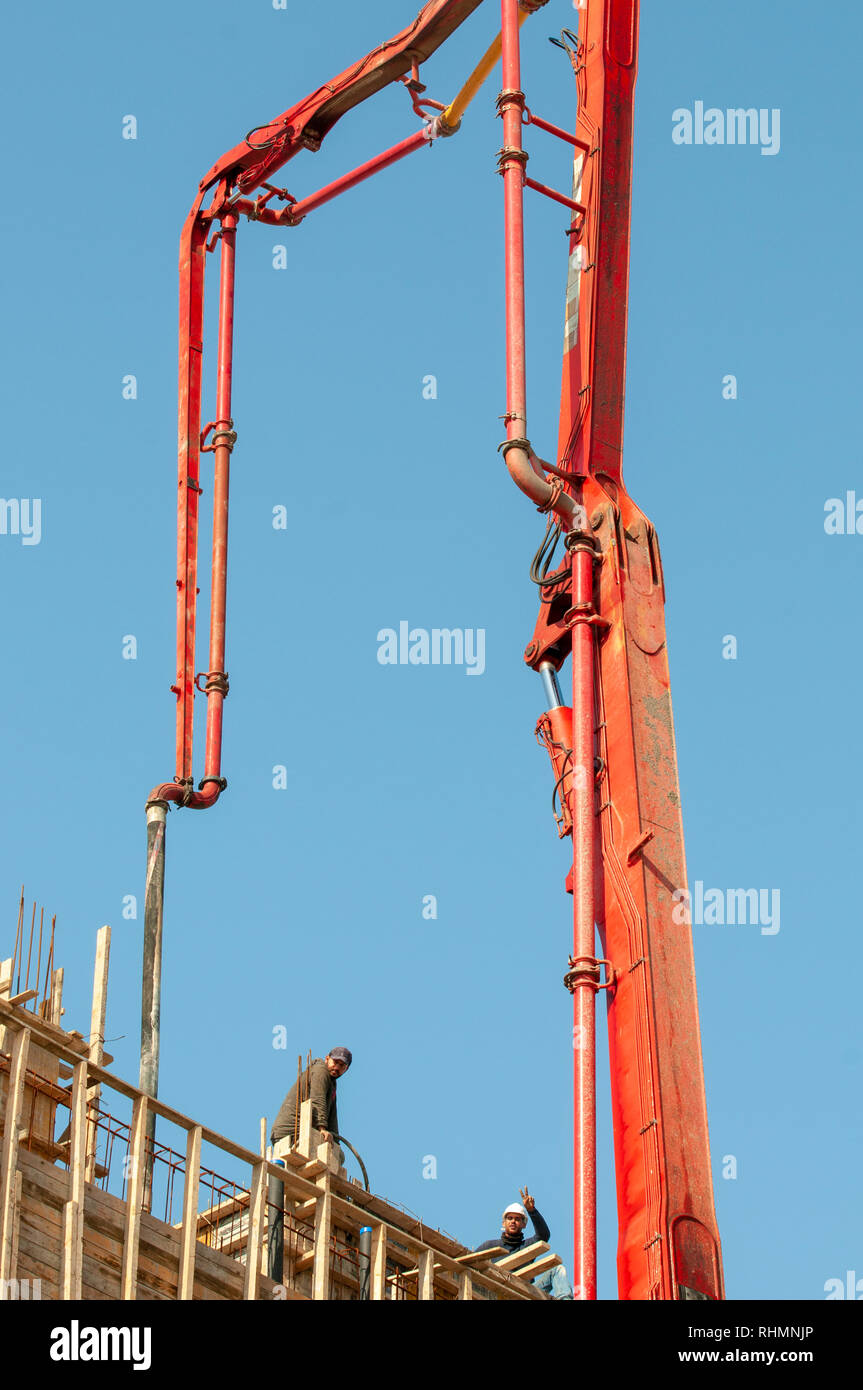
87,1207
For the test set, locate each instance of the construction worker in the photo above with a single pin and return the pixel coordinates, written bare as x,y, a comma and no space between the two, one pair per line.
318,1084
513,1222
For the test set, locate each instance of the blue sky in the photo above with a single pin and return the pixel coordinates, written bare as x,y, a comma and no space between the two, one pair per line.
302,906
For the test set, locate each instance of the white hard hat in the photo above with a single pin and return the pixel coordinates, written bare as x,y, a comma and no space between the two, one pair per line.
517,1208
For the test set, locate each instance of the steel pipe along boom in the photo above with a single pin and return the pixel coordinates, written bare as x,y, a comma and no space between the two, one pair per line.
457,107
584,977
154,905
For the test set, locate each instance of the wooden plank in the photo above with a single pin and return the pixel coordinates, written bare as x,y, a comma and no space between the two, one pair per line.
539,1266
378,1273
32,1248
9,1152
97,1038
465,1286
323,1230
134,1198
304,1210
496,1281
522,1256
304,1137
5,989
451,1275
16,1222
100,995
218,1274
99,1276
257,1202
102,1271
73,1212
42,1218
425,1285
32,1268
43,1244
47,1184
189,1238
56,1005
35,1228
477,1256
23,997
107,1249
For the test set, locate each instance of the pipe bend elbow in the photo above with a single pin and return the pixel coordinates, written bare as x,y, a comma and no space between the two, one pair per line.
526,472
166,791
208,793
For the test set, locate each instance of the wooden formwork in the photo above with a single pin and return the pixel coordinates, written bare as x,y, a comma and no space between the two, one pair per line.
65,1236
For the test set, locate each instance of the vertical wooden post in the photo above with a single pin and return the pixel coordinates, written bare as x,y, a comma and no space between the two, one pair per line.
189,1237
5,988
465,1286
9,1153
304,1136
323,1231
327,1153
73,1210
16,1218
134,1198
379,1262
56,1010
257,1197
425,1275
97,1041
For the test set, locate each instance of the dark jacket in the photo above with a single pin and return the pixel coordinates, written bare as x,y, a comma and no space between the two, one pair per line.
513,1243
317,1085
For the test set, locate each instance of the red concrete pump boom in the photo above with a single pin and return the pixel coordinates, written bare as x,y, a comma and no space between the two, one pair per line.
612,750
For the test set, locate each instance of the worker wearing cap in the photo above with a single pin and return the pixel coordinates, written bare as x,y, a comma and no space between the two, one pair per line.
513,1222
318,1084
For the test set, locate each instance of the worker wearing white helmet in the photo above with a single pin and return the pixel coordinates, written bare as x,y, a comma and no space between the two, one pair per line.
513,1223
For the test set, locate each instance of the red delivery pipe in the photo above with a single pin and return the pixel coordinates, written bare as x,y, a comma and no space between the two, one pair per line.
224,438
583,975
524,466
191,445
512,160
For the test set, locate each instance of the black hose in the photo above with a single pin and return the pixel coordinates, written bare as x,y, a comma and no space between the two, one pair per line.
348,1145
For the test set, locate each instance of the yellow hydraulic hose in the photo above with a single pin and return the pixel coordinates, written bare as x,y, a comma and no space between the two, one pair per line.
453,113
